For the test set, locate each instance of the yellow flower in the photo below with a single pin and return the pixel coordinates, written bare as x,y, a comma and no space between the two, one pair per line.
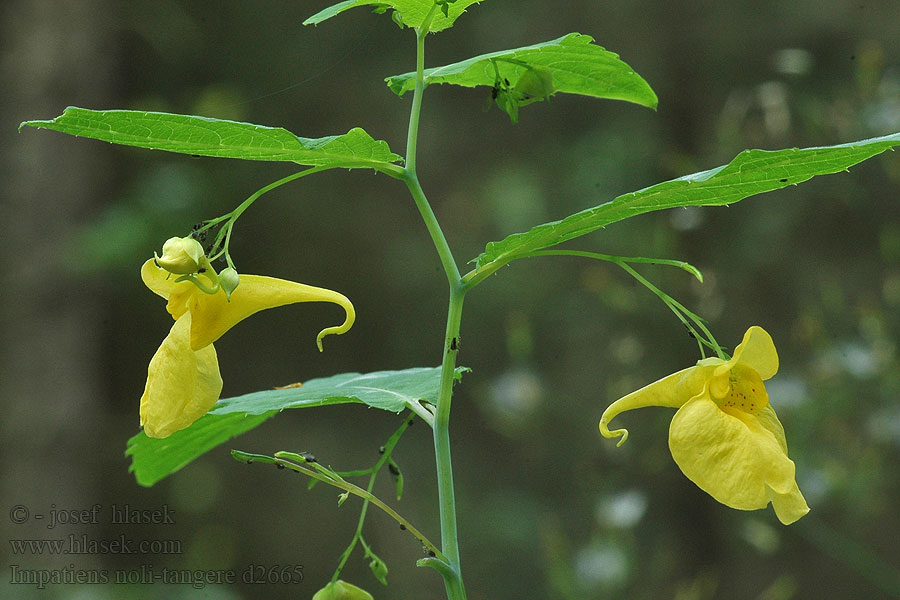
725,436
183,379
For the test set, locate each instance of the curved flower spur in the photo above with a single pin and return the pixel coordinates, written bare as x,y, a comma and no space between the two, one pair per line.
183,379
725,436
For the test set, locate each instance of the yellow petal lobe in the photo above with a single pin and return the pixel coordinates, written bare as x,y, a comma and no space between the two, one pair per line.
182,385
214,314
673,391
735,457
757,351
158,279
790,505
162,283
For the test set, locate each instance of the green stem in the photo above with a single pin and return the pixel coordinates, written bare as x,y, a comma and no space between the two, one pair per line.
237,212
386,451
476,276
479,274
296,462
679,310
409,175
413,131
434,228
446,498
449,565
681,264
358,533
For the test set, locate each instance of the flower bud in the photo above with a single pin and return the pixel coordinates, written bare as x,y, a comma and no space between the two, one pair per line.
341,590
181,256
229,280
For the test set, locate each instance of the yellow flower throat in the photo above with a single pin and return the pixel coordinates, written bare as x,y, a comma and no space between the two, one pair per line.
742,390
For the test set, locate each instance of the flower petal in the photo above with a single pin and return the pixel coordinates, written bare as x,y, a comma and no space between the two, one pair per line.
182,385
769,421
790,505
163,283
734,457
673,390
757,351
213,314
160,281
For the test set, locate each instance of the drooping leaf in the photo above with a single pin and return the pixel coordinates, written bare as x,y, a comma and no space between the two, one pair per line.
154,459
378,567
201,136
575,66
410,13
751,172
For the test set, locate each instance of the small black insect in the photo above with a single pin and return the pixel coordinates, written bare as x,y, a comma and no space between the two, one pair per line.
198,235
393,469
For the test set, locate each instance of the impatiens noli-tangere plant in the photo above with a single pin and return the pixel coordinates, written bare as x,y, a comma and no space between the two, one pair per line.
724,435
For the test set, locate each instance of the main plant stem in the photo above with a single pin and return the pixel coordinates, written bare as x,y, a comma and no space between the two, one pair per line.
446,499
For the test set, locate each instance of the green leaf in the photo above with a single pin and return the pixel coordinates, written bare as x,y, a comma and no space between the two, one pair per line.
751,172
201,136
576,65
379,567
153,459
411,13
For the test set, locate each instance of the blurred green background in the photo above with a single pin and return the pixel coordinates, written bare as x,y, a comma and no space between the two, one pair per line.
548,509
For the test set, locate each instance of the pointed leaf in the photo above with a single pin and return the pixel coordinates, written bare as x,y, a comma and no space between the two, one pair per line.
201,136
411,13
751,172
577,67
154,459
